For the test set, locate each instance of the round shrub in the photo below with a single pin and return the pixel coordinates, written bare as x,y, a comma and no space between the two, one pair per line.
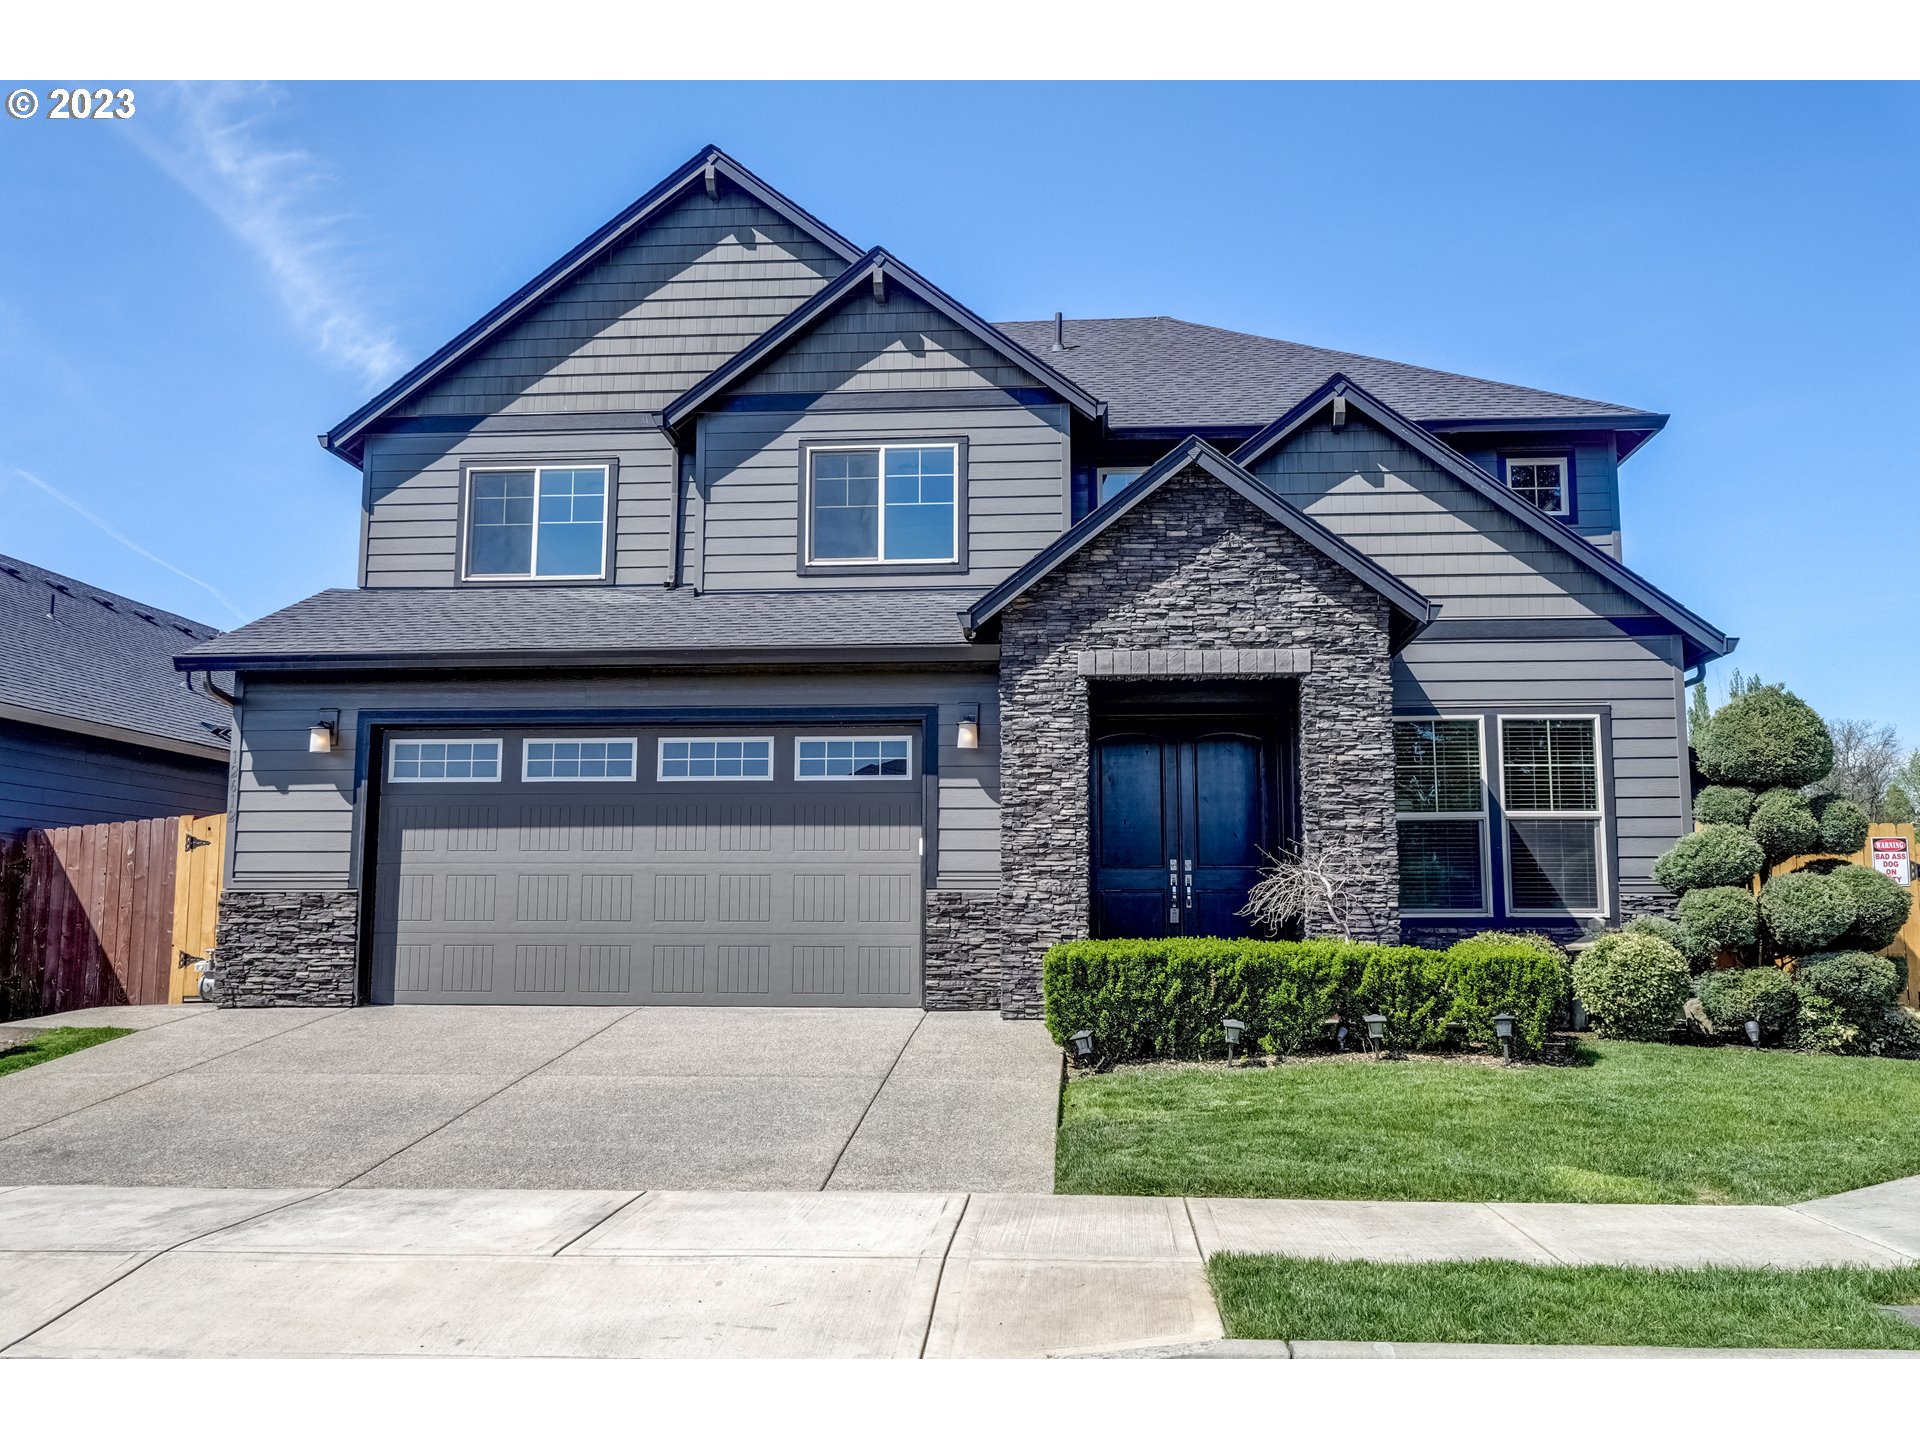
1658,926
1723,805
1843,824
1880,906
1733,997
1717,855
1783,823
1720,917
1898,1035
1860,986
1818,1026
1805,911
1766,737
1634,986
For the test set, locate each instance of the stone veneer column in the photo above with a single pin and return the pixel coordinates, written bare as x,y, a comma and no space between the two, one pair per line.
963,950
1195,567
287,947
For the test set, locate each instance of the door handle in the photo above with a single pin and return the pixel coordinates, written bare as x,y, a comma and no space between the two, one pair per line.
1189,883
1173,891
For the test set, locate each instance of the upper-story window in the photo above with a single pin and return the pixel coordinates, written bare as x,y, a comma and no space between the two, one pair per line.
1113,480
1545,481
883,504
543,522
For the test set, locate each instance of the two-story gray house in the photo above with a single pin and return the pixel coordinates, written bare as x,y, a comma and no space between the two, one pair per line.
743,620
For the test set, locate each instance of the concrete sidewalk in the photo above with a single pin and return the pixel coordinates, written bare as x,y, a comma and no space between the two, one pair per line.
111,1271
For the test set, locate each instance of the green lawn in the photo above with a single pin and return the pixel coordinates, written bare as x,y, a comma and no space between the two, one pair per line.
52,1044
1500,1302
1658,1123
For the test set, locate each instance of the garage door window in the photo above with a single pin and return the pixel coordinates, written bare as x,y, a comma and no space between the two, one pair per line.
577,760
854,758
716,759
439,760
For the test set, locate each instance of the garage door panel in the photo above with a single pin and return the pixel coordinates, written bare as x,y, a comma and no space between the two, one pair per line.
762,893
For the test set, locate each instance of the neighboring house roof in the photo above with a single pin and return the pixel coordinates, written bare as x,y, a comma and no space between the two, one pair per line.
872,273
85,660
710,165
1707,640
1413,609
547,626
1156,372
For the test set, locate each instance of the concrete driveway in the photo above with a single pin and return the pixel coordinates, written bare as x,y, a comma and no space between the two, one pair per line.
541,1098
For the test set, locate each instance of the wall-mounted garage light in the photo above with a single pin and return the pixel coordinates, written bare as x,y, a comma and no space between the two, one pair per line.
969,736
324,734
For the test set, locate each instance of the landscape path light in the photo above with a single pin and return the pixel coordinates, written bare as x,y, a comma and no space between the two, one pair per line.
1503,1031
1753,1033
1233,1029
1082,1045
1376,1029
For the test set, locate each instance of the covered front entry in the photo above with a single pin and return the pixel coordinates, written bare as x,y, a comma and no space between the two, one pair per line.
625,865
1185,803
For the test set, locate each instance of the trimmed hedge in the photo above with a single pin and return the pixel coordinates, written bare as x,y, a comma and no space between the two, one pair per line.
1766,737
1858,985
1733,997
1165,999
1717,855
1720,917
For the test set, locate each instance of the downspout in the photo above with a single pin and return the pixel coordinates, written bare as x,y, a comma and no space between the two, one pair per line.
676,522
213,691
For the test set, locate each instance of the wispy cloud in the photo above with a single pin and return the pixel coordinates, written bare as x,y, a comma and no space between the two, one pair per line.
101,525
276,200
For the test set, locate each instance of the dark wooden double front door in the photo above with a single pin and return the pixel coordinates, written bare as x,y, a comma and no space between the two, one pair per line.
1183,812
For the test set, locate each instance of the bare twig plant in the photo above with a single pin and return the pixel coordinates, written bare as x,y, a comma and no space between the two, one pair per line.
1321,884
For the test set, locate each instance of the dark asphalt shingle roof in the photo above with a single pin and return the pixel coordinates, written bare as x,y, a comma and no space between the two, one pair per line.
98,657
549,624
1161,372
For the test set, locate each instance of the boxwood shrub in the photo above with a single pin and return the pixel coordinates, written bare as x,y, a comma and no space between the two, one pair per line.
1880,906
1766,737
1858,985
1783,823
1806,911
1723,805
1760,992
1843,824
1720,917
1635,986
1165,999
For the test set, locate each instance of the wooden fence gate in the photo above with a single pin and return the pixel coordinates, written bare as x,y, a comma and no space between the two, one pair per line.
108,914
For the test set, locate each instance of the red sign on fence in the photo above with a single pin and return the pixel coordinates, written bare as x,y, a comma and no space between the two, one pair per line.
1890,858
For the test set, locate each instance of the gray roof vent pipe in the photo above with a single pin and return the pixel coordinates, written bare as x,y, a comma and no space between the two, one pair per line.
1059,331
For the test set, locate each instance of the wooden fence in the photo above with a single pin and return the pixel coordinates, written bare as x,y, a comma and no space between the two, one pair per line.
1908,943
107,914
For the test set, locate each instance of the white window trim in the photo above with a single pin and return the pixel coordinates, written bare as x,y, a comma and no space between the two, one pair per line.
1100,480
1598,815
393,756
1483,816
533,555
800,740
526,760
1565,462
660,759
952,557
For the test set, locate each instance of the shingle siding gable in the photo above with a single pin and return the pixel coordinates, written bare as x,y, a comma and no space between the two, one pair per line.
661,311
904,344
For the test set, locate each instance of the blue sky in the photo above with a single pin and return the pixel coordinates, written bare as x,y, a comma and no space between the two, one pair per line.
188,297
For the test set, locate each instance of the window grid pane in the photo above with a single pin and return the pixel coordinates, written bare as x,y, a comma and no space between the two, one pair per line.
885,503
854,759
539,522
1436,767
1540,482
1440,865
579,759
716,759
1550,765
445,760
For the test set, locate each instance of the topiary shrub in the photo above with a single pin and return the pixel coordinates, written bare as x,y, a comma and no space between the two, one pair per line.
1723,805
1760,992
1764,738
1658,926
1880,906
1634,986
1783,823
1717,855
1858,985
1805,911
1720,917
1843,824
1897,1036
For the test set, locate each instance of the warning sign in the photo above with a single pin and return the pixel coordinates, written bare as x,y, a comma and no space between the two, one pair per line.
1891,859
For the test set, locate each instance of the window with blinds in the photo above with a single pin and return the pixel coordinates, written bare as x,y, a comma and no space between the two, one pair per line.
1550,790
1440,800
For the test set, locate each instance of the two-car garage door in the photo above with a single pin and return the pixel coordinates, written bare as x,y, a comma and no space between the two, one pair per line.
623,866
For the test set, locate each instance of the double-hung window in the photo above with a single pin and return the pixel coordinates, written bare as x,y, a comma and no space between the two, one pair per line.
883,504
1550,789
541,522
1543,481
1440,801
